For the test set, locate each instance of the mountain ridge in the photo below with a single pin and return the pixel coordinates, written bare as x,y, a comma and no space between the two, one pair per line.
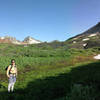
13,40
92,30
88,39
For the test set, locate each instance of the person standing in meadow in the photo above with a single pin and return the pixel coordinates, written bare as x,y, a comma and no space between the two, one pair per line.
11,74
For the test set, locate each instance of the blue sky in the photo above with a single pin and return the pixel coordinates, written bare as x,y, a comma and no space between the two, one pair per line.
47,20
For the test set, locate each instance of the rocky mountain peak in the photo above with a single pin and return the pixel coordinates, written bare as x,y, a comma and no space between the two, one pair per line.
30,40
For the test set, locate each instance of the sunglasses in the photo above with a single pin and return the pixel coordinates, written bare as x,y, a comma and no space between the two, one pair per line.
13,62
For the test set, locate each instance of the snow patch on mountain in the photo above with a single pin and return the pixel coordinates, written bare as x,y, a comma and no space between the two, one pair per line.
92,35
75,38
74,41
85,39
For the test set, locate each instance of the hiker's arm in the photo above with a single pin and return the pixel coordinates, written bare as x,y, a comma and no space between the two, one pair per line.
8,71
16,72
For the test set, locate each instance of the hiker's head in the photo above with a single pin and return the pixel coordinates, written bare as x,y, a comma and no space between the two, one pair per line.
12,61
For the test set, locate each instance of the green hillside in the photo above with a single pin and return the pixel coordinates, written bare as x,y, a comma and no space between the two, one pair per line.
51,72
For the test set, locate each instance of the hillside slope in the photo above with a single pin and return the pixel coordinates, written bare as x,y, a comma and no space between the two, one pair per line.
87,39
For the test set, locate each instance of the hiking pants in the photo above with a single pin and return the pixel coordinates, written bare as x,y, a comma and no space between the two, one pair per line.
12,80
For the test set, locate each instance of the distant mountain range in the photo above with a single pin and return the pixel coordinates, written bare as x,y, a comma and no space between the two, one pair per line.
12,40
87,39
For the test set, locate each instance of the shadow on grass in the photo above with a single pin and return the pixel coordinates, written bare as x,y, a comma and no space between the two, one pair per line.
52,88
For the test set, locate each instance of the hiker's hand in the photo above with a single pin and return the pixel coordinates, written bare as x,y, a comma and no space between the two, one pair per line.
16,76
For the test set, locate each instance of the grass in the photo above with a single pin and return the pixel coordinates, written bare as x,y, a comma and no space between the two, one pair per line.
49,74
56,83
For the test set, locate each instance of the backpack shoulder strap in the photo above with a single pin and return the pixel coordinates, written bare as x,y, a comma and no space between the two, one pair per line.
10,67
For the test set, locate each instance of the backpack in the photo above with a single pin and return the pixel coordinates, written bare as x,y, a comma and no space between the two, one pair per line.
7,68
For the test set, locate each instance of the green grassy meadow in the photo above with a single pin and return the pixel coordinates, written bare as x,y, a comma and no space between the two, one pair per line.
51,73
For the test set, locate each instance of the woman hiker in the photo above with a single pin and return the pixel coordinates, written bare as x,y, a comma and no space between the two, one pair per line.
11,74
